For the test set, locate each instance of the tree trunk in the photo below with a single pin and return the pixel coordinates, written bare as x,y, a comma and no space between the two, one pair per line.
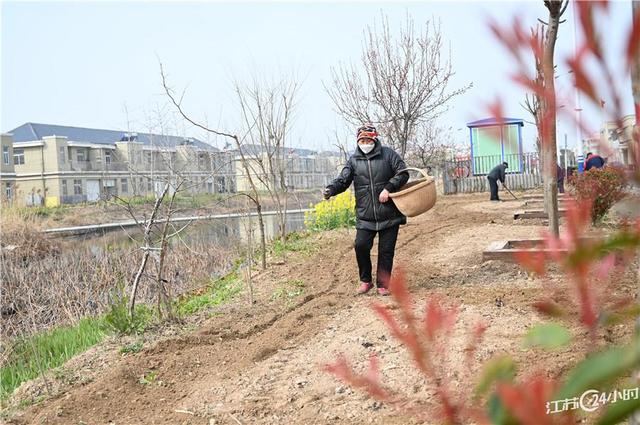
263,241
145,258
549,124
163,296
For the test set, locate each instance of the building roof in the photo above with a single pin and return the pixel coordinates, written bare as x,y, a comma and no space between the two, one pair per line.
492,121
252,149
32,131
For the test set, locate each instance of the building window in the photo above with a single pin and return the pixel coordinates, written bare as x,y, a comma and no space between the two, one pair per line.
77,187
61,154
18,156
5,155
124,185
65,191
8,191
80,155
107,157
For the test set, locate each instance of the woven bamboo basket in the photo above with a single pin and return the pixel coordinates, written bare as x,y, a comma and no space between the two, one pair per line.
417,196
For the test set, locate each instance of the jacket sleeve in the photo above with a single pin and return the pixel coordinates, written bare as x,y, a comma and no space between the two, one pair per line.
502,174
343,181
398,180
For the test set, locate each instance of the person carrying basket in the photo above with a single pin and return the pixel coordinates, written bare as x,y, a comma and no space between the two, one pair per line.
376,171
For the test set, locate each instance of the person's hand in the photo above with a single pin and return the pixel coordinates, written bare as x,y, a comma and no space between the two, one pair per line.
384,196
326,193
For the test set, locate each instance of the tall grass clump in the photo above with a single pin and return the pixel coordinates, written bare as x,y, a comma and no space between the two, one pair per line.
220,291
27,358
337,212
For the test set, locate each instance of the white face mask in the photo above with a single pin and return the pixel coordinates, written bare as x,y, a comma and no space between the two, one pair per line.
367,148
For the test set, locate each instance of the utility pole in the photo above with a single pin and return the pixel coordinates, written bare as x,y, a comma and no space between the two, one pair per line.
578,109
565,152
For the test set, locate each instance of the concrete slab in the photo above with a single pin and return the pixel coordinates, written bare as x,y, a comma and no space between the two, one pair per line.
541,196
524,214
505,250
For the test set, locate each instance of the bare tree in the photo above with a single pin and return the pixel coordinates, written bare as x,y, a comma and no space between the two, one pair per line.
342,146
430,147
266,113
532,100
254,195
147,226
179,169
405,81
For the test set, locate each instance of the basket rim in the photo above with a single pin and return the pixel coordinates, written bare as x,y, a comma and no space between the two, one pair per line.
413,188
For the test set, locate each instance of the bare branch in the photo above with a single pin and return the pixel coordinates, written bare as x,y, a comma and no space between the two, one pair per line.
399,84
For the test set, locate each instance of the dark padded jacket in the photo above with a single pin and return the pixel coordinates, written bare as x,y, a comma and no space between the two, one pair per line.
497,173
594,161
370,174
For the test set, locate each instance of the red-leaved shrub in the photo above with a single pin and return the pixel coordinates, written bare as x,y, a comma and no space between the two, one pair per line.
602,186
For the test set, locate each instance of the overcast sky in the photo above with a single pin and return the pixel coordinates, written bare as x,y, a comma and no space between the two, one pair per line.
96,64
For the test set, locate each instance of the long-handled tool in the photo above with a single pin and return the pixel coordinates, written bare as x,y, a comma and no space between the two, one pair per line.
514,196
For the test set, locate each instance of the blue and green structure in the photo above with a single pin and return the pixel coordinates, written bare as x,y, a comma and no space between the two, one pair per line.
494,141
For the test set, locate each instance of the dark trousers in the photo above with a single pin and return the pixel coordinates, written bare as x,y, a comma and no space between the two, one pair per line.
560,185
493,185
386,249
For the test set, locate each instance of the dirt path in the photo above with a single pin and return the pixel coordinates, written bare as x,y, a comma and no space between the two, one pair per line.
263,364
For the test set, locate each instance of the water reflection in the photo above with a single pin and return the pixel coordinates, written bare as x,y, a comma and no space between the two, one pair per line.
224,232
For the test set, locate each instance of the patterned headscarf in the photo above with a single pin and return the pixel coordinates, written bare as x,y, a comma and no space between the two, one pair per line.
367,131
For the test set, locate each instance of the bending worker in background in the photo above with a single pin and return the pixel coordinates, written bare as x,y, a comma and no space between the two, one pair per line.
498,173
373,169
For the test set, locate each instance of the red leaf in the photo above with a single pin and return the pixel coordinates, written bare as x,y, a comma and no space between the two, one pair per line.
476,335
433,319
384,313
496,111
586,11
400,294
605,265
582,80
368,382
527,401
533,261
548,308
633,44
536,87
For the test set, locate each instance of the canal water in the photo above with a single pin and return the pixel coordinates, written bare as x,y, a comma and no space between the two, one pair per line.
221,232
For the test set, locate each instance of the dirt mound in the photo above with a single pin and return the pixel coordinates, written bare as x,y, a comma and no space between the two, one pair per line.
262,363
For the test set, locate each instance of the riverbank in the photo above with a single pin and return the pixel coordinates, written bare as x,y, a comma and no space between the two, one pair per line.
107,212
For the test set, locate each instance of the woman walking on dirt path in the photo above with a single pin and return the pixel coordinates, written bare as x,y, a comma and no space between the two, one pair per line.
374,171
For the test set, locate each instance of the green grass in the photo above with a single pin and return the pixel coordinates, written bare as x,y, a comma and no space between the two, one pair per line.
149,378
136,200
117,320
40,212
220,291
289,290
134,347
46,351
296,242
